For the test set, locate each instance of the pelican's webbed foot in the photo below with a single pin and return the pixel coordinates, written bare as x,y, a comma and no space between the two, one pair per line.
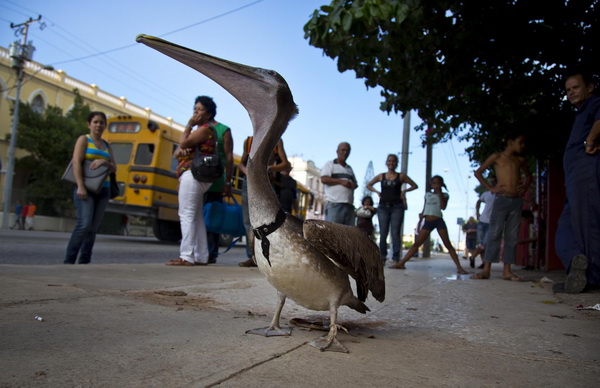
325,344
330,342
271,331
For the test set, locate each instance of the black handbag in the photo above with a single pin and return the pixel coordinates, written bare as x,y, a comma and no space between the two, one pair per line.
114,187
207,167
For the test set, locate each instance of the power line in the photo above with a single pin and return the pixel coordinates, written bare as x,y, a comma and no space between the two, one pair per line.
213,18
457,166
162,35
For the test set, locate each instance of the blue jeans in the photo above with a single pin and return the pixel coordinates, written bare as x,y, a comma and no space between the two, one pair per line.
340,213
505,219
578,231
390,215
89,216
482,232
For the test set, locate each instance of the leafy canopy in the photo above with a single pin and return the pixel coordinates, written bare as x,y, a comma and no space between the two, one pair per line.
468,67
50,139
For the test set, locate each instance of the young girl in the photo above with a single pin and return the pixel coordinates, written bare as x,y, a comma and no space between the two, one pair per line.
435,202
364,216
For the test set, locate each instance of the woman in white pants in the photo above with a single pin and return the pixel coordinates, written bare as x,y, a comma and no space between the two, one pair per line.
193,249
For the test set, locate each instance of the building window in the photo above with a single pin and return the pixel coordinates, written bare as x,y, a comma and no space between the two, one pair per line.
38,105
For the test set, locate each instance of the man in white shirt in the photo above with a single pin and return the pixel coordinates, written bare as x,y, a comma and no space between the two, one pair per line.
340,183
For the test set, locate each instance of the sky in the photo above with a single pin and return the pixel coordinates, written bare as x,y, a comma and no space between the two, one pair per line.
95,43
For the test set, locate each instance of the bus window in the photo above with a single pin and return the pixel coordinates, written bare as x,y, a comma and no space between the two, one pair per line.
124,127
144,154
121,152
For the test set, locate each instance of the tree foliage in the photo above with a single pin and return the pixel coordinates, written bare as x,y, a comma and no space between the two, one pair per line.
50,139
469,68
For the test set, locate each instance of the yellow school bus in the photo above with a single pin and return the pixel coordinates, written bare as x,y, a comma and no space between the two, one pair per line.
143,150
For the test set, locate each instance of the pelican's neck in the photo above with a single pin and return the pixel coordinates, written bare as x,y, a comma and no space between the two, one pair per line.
263,204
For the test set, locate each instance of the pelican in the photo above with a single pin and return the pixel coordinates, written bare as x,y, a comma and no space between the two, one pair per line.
309,262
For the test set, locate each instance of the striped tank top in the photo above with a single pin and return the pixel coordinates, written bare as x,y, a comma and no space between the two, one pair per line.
92,152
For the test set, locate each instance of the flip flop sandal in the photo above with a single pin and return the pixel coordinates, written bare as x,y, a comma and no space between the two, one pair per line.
179,262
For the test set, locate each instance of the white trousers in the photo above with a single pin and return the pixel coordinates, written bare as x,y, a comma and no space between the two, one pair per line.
194,247
28,223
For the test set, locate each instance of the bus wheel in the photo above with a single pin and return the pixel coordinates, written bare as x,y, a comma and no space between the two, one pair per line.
167,230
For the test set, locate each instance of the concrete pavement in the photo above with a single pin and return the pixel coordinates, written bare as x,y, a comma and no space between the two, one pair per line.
149,325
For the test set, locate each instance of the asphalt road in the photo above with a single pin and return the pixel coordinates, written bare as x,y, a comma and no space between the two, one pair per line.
33,247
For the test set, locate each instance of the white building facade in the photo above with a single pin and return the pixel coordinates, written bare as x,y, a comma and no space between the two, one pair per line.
306,173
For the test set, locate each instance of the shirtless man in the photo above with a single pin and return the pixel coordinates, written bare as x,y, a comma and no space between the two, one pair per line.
509,166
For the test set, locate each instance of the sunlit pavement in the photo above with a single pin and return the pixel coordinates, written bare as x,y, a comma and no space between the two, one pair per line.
153,325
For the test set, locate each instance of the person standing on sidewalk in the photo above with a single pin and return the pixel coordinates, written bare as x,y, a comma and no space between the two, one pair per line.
392,203
340,183
364,216
509,166
24,216
277,163
222,186
483,226
470,229
193,248
435,202
18,211
31,208
578,234
90,206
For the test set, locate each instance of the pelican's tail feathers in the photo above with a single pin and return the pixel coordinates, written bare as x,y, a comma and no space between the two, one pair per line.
357,305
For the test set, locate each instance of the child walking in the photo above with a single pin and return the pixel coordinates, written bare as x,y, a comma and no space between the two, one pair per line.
509,166
435,202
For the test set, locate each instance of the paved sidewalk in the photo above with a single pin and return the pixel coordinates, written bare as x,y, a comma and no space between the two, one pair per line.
149,325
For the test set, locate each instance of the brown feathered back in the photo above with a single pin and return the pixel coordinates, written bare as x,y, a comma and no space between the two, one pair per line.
353,251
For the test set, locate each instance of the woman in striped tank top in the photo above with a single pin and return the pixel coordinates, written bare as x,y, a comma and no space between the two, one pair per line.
90,206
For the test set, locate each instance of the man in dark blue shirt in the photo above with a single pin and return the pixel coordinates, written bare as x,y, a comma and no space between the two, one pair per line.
578,234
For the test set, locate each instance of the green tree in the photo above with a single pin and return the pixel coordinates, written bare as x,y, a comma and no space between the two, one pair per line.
469,68
49,138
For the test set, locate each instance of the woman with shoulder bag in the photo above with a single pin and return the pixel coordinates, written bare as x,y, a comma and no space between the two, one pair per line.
392,203
90,206
193,249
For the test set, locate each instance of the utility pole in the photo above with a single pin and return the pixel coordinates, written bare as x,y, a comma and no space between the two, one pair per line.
19,52
404,158
428,165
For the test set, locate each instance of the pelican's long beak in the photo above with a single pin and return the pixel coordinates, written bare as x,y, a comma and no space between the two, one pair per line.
256,89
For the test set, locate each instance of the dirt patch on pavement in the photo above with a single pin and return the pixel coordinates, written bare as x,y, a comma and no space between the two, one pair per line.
178,299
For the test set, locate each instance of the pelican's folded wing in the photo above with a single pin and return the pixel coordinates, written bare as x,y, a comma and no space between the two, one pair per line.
352,250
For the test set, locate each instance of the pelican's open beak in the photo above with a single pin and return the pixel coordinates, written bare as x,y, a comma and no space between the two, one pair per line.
255,88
